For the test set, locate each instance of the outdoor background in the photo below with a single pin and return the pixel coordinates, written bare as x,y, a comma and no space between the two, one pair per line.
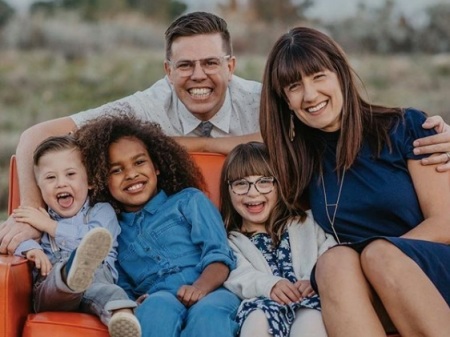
60,57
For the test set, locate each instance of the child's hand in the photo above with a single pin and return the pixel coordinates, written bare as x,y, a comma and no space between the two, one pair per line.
36,217
141,299
40,260
189,295
285,292
304,286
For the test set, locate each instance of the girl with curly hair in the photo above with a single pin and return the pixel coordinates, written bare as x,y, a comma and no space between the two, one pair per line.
173,252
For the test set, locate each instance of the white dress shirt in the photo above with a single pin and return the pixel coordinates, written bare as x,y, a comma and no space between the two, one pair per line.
238,116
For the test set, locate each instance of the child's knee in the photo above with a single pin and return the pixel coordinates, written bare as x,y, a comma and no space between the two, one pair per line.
161,304
255,324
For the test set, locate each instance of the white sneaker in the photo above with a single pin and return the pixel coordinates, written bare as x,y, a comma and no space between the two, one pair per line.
85,260
124,324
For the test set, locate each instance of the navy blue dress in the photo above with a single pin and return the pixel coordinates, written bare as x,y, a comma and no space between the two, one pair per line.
378,199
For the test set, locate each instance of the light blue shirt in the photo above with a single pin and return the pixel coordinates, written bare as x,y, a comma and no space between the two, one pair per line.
178,234
70,231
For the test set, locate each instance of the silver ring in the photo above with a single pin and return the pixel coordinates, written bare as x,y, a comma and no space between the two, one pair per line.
448,156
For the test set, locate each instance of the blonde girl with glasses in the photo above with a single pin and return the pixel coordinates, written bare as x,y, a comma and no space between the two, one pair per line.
275,248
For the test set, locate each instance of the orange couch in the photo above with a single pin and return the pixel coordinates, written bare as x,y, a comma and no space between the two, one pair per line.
16,317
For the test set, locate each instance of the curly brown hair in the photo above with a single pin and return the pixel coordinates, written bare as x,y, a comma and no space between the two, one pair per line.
177,169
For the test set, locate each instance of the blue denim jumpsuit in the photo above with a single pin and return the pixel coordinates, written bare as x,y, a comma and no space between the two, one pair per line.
168,244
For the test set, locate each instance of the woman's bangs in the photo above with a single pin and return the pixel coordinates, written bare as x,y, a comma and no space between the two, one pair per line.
298,62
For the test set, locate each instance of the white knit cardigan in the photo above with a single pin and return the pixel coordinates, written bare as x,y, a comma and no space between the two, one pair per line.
253,276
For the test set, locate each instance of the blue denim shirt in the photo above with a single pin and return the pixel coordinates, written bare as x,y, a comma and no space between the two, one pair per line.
70,231
178,234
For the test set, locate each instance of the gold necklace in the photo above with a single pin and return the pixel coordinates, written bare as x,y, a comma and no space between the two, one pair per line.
336,205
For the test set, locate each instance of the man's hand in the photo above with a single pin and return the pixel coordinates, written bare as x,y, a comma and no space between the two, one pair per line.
189,295
12,233
439,143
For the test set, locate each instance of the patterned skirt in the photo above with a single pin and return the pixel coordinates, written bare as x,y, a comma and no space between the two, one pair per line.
279,316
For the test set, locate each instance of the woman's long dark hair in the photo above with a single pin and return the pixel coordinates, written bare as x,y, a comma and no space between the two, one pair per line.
302,52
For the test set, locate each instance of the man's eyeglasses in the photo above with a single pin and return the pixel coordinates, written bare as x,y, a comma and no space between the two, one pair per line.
263,185
210,65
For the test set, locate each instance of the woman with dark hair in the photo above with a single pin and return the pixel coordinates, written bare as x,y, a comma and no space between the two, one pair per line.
389,213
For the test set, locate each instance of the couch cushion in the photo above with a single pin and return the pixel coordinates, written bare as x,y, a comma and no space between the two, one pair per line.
64,324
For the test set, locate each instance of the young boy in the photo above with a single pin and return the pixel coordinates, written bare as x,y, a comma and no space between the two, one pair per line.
77,251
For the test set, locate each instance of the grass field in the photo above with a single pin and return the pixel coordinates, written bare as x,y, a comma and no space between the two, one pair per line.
38,85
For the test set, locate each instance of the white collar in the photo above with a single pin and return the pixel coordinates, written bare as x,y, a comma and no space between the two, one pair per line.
220,120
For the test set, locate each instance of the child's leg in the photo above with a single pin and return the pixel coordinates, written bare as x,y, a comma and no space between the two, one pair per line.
161,314
111,303
63,289
213,315
52,294
104,296
308,323
256,325
84,261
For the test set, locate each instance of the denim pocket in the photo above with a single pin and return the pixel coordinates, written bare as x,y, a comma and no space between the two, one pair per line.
174,239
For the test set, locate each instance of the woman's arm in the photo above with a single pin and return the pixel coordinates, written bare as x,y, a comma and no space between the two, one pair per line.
433,192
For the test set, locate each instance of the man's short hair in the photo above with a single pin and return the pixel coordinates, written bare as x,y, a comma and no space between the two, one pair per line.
197,23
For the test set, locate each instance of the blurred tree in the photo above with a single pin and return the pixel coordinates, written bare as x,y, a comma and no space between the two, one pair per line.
5,13
435,37
269,11
93,10
376,30
281,10
161,10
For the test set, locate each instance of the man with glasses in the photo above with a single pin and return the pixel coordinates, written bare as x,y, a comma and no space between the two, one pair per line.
199,96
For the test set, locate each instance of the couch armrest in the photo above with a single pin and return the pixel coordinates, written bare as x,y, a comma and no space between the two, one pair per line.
15,294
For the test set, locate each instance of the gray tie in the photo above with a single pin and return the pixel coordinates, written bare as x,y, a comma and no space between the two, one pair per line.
205,129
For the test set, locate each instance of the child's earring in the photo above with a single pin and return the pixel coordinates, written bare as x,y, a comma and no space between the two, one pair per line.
292,128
